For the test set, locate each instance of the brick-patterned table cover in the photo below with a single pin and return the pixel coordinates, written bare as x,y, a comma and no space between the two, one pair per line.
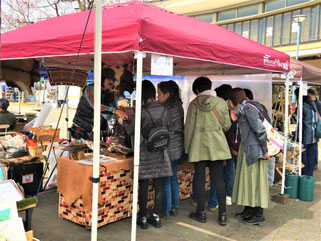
117,191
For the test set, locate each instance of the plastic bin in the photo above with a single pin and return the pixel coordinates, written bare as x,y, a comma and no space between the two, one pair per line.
306,188
292,185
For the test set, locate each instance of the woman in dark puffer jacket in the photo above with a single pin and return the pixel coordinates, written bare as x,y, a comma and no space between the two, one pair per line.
153,165
168,93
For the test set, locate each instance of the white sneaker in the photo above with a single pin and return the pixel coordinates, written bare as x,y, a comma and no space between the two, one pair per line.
228,201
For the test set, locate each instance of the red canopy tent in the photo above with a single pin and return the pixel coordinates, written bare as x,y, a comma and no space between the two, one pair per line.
138,26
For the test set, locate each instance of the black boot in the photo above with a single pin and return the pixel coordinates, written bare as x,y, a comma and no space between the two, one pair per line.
154,220
222,219
165,214
142,222
257,218
173,212
248,211
199,216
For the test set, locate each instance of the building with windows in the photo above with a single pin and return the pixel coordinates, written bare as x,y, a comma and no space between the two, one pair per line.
269,22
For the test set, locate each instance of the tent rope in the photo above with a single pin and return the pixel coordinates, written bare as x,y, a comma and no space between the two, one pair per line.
66,95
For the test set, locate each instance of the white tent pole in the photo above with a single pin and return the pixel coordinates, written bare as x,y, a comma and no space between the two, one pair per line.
139,56
19,101
97,96
44,91
285,130
300,123
67,111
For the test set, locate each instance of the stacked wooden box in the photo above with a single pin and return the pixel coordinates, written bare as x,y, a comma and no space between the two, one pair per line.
116,190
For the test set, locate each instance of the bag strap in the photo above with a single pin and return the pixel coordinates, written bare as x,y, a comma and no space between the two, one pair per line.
255,108
150,115
217,116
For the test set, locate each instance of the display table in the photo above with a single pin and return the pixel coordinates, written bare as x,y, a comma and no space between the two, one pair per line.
115,194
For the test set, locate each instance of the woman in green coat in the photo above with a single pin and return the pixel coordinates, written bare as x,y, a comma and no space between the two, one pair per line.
251,178
206,122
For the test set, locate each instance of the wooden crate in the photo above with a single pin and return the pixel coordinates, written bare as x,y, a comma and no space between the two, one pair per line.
45,130
35,151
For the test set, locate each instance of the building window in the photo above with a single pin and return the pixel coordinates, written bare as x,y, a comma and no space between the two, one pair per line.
314,22
277,30
238,28
274,5
269,31
230,27
206,17
247,11
294,2
254,30
280,29
286,28
262,30
319,34
226,15
246,29
306,25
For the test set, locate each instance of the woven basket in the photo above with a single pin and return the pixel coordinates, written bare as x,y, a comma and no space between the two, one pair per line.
45,130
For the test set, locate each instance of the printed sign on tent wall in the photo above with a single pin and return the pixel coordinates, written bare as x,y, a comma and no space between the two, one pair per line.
161,65
305,88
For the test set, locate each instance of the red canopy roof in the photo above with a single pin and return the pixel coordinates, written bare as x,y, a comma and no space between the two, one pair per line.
140,26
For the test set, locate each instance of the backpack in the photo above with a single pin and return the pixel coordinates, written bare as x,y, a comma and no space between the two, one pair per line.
158,135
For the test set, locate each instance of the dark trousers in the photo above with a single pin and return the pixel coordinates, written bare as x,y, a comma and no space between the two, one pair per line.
143,195
216,174
309,158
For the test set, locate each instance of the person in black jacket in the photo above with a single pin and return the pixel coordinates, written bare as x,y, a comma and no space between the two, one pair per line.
168,93
83,122
153,165
317,106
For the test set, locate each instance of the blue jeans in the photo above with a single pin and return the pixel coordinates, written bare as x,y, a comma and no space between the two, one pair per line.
309,158
228,179
171,190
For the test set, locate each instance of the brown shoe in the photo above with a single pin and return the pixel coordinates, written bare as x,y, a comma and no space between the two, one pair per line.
199,216
194,204
213,209
222,219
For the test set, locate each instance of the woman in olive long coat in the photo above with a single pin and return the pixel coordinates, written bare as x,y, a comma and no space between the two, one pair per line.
251,178
205,143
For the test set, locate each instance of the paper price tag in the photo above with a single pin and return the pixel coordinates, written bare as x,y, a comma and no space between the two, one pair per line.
305,89
27,178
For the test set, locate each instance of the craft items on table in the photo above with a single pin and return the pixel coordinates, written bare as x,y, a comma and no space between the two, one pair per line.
3,173
14,146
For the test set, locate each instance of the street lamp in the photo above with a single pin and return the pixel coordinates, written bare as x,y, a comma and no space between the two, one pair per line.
298,19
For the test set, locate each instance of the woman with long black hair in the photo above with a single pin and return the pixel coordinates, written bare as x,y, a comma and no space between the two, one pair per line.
168,93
